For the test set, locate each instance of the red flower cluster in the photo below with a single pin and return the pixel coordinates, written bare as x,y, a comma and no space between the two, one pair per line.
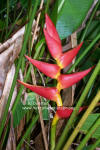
53,70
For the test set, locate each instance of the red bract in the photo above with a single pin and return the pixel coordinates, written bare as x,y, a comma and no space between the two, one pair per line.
65,112
54,47
66,58
52,38
67,80
51,70
50,93
51,29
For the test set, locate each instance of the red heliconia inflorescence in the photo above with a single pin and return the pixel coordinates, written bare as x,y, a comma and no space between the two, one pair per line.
53,70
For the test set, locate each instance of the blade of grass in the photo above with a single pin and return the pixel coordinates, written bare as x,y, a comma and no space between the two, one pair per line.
84,53
28,30
91,18
7,18
81,122
33,122
80,102
89,134
12,26
47,6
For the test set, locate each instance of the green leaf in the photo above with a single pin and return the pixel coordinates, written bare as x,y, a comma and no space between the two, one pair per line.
19,114
32,104
88,124
45,111
71,14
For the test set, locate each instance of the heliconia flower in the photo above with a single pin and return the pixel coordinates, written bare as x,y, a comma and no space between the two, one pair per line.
51,70
65,112
66,58
67,80
50,93
52,39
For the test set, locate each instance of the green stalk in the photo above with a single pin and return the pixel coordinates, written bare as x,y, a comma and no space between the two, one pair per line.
47,6
81,122
80,102
84,53
12,26
53,132
91,18
7,19
89,134
28,30
53,137
34,120
93,147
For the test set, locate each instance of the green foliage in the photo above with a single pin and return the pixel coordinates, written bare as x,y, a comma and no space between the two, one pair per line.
71,14
26,3
89,123
18,114
68,16
32,104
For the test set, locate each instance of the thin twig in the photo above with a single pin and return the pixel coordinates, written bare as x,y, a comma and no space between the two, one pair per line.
37,22
29,145
74,44
40,112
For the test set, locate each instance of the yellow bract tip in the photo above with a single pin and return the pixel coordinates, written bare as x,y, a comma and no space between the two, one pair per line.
57,75
59,64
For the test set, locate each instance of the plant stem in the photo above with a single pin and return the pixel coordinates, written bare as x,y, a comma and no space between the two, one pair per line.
53,132
89,134
80,102
84,53
34,120
81,122
28,30
91,18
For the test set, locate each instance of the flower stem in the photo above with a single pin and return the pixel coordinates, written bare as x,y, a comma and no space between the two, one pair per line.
53,131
